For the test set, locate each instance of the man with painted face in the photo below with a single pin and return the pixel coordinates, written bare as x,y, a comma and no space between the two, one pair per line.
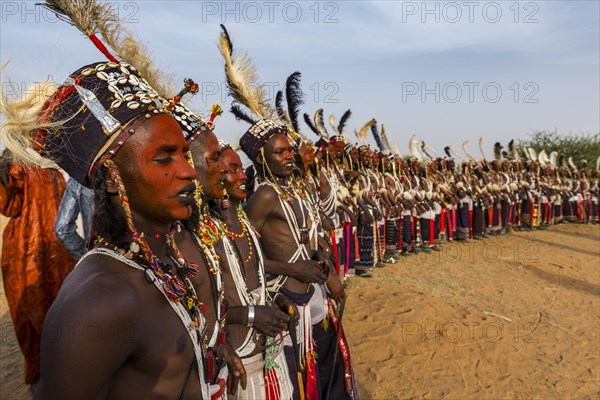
255,318
127,322
201,243
281,212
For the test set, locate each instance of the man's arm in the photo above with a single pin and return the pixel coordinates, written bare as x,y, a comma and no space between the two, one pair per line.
259,208
88,334
306,271
268,320
65,227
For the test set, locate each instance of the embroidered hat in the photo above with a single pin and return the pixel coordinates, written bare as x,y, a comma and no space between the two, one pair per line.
257,136
92,109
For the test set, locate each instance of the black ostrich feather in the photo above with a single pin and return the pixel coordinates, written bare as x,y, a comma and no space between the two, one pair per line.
343,121
310,124
447,151
240,115
280,110
294,98
377,136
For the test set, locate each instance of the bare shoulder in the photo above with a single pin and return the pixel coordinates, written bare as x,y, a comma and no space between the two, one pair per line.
263,194
100,288
262,201
262,205
93,327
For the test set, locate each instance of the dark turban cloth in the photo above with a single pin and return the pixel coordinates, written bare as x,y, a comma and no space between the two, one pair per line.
89,111
258,134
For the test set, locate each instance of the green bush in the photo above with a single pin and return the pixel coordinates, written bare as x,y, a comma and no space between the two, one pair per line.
584,146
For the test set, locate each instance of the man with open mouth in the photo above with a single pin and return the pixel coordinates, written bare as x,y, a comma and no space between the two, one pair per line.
256,318
201,242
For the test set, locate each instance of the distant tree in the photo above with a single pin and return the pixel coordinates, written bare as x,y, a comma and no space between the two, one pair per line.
584,146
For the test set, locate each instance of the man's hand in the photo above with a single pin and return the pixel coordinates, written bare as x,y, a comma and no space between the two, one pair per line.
288,307
326,223
377,214
309,271
336,287
237,372
270,321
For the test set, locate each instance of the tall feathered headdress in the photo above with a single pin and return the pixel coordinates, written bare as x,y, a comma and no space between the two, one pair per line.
413,147
85,15
526,151
466,150
333,125
512,149
320,123
554,159
386,141
423,149
361,135
447,151
92,18
312,126
339,128
542,158
428,150
343,121
295,99
377,137
242,82
482,149
532,154
281,111
455,154
497,151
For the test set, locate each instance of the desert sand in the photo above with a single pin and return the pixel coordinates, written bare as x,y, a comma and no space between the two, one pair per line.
509,317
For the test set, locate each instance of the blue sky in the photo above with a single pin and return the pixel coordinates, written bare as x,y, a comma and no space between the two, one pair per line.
443,71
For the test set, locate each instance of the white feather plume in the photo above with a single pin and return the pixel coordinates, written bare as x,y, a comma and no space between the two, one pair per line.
333,125
571,163
466,150
413,147
456,155
482,148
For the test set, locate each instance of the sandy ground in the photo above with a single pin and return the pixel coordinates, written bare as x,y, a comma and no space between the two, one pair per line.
509,317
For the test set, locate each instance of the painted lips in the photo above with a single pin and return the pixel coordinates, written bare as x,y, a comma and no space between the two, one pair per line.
186,195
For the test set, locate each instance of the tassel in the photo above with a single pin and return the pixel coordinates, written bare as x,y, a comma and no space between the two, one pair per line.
189,87
174,289
191,267
215,112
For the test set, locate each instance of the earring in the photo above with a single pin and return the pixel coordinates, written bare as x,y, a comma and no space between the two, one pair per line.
225,202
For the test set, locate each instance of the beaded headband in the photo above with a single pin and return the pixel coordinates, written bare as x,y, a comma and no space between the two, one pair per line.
258,134
88,112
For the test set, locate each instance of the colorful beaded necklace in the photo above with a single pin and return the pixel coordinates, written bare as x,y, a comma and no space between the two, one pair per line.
232,235
176,289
